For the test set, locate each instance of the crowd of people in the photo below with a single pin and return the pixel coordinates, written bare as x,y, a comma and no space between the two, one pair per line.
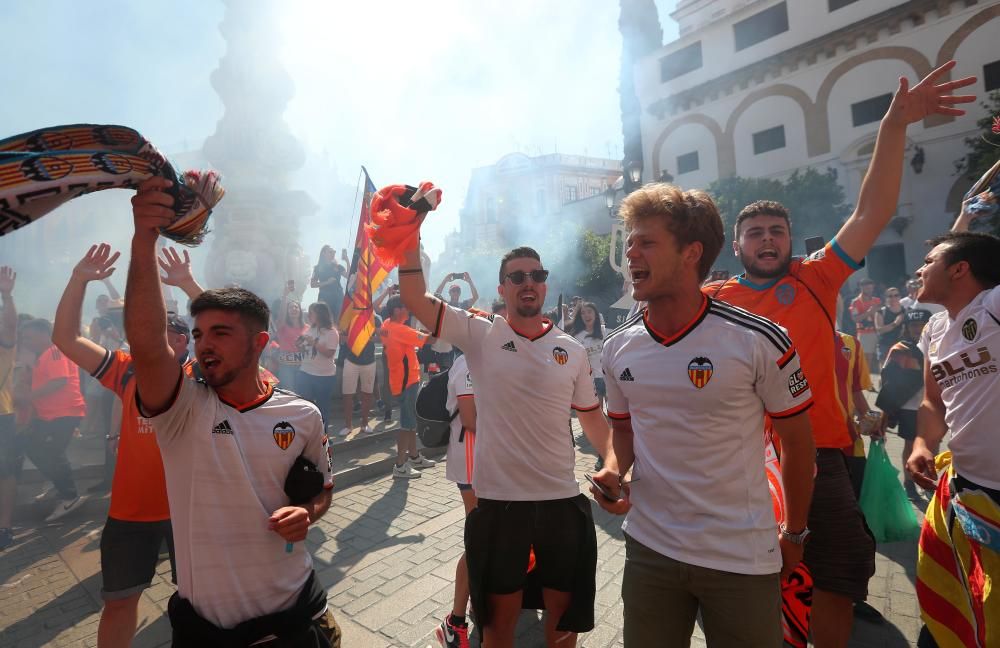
223,454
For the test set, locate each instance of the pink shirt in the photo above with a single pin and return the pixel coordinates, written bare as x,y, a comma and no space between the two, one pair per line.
68,401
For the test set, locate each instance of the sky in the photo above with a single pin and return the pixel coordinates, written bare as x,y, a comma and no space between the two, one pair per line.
414,91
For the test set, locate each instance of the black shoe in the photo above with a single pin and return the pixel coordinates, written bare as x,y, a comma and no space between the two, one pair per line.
867,613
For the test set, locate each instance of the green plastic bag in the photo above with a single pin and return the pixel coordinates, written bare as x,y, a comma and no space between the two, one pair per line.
888,511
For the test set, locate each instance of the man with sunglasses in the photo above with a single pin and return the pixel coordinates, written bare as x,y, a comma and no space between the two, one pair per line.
529,376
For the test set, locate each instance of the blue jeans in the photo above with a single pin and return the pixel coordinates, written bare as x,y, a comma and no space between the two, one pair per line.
318,390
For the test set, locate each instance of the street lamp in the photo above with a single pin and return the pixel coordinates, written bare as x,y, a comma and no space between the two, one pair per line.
917,161
609,200
666,177
635,172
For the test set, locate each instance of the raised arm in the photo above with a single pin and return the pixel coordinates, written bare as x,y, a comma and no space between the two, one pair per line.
177,272
96,265
441,285
965,219
880,189
157,372
8,316
472,287
413,290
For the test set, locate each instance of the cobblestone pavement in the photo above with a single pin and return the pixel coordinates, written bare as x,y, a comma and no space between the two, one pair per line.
386,551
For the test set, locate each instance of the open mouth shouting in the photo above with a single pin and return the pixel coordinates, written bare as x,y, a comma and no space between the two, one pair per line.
638,275
209,362
767,254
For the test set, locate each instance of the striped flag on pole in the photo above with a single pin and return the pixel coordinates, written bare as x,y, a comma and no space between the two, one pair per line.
357,315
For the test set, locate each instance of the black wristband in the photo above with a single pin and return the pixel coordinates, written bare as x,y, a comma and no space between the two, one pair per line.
406,271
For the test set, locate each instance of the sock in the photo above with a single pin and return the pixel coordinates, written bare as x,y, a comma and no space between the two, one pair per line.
456,620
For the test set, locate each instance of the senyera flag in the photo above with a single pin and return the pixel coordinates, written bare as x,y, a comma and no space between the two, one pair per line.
357,315
43,169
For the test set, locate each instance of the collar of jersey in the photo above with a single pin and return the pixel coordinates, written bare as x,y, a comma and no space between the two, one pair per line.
255,403
679,335
743,281
546,327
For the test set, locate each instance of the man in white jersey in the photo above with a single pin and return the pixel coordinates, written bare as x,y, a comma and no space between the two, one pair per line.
960,545
228,443
528,377
689,382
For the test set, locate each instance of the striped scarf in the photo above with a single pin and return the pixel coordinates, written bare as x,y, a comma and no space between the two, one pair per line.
41,170
958,564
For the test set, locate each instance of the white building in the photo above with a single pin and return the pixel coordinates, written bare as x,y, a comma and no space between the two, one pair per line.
763,87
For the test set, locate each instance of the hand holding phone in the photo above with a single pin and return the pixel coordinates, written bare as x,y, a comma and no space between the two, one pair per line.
602,489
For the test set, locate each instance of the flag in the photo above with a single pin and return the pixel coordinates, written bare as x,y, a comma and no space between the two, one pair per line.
357,315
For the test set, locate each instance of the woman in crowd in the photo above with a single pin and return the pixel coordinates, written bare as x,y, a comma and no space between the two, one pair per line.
586,327
318,371
290,328
326,276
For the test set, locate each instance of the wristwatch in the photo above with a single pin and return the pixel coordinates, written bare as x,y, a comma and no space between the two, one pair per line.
795,538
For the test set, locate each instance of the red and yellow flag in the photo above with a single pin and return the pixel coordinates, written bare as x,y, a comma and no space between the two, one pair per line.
357,315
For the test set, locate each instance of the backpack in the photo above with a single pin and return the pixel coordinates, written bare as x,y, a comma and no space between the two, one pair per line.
433,418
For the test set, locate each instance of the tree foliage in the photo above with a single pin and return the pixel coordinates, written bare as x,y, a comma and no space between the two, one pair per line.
984,148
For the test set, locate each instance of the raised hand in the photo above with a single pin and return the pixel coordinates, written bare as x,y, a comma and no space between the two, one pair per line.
177,270
7,279
97,264
911,105
152,206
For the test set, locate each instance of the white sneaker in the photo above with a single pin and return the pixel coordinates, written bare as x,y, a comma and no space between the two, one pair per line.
344,432
405,471
420,462
64,507
364,430
46,494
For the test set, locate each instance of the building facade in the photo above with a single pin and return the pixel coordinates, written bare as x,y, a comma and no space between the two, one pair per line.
760,88
519,197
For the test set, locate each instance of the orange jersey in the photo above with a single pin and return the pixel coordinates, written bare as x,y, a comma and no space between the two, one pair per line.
139,489
804,301
67,401
399,343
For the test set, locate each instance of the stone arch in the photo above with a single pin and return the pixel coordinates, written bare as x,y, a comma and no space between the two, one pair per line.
914,58
952,43
723,148
817,132
953,201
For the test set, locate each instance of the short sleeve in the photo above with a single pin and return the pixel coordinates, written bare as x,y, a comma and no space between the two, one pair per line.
925,336
317,450
828,268
463,381
192,397
991,302
460,328
113,372
331,340
616,403
584,397
781,384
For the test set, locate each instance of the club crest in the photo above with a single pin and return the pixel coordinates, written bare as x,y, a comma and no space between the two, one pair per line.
700,371
970,329
560,354
284,434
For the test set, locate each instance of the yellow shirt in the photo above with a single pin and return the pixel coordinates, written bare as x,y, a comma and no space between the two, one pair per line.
7,356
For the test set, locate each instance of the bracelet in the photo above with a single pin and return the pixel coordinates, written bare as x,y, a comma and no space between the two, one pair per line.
407,271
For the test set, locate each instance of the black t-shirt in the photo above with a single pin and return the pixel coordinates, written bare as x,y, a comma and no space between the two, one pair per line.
331,294
890,337
367,355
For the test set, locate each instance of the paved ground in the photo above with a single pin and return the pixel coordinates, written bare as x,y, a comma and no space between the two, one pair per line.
386,551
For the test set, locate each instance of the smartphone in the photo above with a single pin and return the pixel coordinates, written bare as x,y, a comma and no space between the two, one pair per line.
814,244
406,200
602,490
457,275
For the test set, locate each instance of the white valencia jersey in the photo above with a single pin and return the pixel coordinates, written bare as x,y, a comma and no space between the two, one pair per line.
963,354
225,467
525,389
461,447
697,401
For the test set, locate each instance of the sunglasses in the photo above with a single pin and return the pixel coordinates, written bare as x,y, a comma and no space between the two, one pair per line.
518,276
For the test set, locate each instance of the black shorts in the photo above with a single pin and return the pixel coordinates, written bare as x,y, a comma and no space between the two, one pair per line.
551,528
129,554
907,424
11,448
840,552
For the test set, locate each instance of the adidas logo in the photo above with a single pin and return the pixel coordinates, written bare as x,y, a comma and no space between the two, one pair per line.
223,428
626,376
509,347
